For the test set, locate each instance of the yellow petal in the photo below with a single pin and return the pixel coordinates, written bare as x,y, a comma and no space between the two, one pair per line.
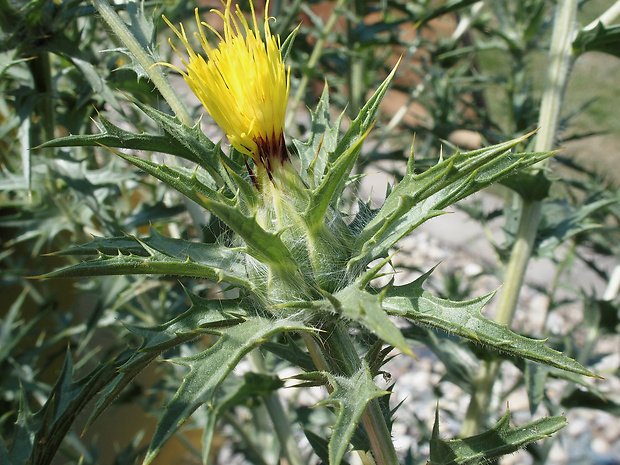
242,82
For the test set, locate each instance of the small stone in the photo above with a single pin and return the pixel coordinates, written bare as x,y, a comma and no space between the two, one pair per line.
472,269
465,139
577,427
600,446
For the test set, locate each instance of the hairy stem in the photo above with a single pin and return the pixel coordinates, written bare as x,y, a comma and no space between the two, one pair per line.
338,355
560,62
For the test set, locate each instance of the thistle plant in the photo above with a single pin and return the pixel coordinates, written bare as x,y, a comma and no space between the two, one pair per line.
296,267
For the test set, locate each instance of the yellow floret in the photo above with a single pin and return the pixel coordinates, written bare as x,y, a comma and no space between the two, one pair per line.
242,83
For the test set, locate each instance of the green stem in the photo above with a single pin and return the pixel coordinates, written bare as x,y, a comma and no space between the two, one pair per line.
41,70
283,429
521,252
519,258
561,59
609,16
145,60
257,455
355,63
313,60
560,62
159,79
380,438
338,355
280,420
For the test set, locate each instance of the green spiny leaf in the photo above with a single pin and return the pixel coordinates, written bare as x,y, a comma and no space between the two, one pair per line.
129,245
359,305
498,441
311,378
364,119
209,368
67,400
531,186
561,221
465,319
333,183
428,184
119,138
157,254
248,192
578,398
320,446
22,444
265,246
208,154
143,30
314,153
158,264
418,198
204,316
54,421
176,177
600,38
401,221
351,395
288,43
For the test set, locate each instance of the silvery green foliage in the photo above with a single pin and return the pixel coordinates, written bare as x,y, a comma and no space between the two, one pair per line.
311,271
327,291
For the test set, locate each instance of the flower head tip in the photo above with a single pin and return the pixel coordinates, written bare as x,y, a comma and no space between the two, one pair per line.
242,83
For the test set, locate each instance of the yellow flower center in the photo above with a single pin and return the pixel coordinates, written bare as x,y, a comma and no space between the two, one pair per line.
243,83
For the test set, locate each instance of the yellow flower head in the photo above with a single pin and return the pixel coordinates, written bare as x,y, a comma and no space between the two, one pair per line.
243,83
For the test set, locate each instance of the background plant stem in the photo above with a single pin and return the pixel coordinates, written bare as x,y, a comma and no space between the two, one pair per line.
40,68
312,61
279,418
610,15
355,62
162,83
560,62
145,60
